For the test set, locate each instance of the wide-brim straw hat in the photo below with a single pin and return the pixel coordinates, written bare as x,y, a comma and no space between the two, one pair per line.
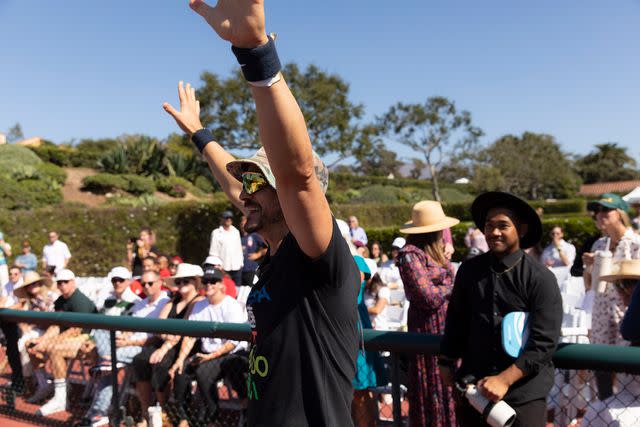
30,278
427,216
625,269
525,213
185,270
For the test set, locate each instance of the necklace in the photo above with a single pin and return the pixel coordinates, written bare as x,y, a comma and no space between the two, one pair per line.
508,269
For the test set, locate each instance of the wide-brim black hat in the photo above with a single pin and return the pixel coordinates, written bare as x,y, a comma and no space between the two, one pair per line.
525,213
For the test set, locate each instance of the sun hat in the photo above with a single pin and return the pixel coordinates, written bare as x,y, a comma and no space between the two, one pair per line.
30,277
427,216
259,159
120,273
64,274
609,200
185,270
398,242
625,269
525,213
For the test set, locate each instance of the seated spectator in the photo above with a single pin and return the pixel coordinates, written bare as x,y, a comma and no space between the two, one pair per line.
377,254
212,358
163,265
622,408
389,272
27,261
376,298
559,253
129,344
149,263
58,344
151,365
216,263
173,265
10,329
357,233
35,294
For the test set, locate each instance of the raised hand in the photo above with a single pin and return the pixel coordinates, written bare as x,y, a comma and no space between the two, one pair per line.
188,118
240,22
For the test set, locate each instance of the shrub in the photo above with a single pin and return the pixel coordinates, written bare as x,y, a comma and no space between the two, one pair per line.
53,172
204,185
28,193
49,152
105,183
174,186
16,156
139,184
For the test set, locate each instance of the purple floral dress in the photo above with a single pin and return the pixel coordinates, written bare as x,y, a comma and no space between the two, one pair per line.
428,289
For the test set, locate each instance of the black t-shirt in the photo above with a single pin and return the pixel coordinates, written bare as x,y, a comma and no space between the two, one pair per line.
136,263
303,318
76,303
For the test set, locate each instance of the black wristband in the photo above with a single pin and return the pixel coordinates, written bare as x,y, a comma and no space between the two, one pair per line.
260,63
201,138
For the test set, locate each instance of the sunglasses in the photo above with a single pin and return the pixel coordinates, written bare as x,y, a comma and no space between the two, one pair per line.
117,280
210,282
62,282
181,282
603,209
145,284
252,182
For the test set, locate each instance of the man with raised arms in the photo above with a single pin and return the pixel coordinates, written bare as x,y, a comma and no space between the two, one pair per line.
302,310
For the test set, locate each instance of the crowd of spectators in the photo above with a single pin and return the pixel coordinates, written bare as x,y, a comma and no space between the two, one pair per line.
406,286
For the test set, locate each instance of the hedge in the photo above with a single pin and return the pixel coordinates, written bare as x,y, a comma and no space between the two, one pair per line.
102,183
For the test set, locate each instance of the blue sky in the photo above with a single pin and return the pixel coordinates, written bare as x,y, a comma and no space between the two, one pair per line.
74,69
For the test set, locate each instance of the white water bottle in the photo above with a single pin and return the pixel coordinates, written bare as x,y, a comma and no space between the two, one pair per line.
602,265
155,416
498,414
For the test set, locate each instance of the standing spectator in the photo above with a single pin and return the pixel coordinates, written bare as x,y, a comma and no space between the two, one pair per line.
428,280
475,240
389,272
216,357
58,344
26,261
487,288
559,253
377,254
10,329
358,235
55,255
577,269
141,248
608,307
227,245
254,249
5,253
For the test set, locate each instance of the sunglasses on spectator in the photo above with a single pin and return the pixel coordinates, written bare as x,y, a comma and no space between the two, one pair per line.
117,280
210,282
252,182
145,284
62,282
603,209
181,282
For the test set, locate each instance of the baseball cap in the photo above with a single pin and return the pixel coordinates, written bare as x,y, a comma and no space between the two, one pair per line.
609,200
119,272
212,275
398,242
213,260
226,214
64,274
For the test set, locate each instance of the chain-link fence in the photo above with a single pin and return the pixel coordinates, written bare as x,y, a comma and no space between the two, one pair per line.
88,375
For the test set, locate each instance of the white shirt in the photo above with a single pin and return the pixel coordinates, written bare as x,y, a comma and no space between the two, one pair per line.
56,254
7,291
550,253
389,273
227,245
228,311
379,321
144,308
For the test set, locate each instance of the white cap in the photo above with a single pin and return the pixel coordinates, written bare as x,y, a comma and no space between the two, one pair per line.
119,272
185,270
213,260
372,265
398,242
65,274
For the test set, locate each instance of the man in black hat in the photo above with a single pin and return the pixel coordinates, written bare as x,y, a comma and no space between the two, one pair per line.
487,288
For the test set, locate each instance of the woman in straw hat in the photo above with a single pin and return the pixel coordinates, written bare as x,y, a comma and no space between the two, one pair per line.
428,280
623,408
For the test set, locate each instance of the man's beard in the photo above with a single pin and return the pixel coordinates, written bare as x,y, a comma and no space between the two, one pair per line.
264,222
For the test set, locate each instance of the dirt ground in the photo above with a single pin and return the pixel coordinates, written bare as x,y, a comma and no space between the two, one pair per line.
71,191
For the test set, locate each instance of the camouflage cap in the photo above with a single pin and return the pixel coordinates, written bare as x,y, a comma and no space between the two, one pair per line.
259,159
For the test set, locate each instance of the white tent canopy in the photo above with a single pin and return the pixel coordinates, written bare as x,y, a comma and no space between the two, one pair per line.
633,198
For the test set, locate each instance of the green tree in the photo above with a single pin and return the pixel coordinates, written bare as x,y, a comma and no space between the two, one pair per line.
532,166
417,168
228,110
15,133
608,162
436,129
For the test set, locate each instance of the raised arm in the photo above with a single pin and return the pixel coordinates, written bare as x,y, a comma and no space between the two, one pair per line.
283,131
188,119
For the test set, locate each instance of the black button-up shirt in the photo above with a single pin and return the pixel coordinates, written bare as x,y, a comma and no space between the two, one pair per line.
487,289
